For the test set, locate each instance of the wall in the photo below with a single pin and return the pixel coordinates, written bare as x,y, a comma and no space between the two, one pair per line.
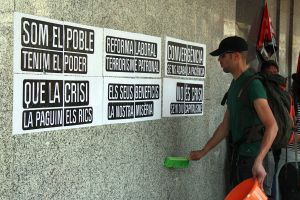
125,161
289,37
118,161
283,35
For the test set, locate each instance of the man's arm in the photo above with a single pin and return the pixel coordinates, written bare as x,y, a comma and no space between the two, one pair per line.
265,114
220,133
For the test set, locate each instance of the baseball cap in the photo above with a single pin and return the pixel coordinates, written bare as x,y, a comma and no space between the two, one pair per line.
269,63
230,44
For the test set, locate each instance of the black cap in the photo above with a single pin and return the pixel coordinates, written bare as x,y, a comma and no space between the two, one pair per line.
269,63
230,44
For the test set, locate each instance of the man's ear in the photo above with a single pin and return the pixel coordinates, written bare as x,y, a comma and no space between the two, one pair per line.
236,55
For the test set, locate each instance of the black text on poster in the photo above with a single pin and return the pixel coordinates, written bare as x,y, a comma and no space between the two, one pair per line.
144,109
36,60
120,110
193,108
124,46
47,118
131,64
146,91
41,34
78,115
76,93
75,63
123,92
42,93
183,53
189,99
79,39
193,93
176,108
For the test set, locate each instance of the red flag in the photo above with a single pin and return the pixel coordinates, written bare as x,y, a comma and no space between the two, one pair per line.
266,44
265,29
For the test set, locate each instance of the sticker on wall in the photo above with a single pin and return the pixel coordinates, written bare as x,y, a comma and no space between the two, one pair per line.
46,46
184,59
131,100
51,102
182,97
131,54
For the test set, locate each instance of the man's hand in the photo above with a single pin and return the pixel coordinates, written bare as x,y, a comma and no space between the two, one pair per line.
259,172
220,133
197,155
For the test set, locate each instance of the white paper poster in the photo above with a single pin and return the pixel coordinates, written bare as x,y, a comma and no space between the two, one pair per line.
46,46
131,54
184,59
182,97
53,102
58,79
131,100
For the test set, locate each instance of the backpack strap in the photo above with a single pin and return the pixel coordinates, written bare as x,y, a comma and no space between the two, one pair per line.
244,96
244,87
255,132
224,100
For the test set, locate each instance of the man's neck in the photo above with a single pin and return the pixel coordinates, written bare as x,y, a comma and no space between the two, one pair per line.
239,70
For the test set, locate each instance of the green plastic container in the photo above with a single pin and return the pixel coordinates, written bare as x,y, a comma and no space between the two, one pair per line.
176,162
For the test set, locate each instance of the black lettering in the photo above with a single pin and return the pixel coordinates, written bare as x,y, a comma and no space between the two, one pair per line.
75,63
144,109
76,93
180,88
121,46
120,92
187,92
144,92
184,53
35,60
145,49
193,108
42,93
120,64
41,34
195,55
197,93
176,69
36,119
176,52
176,108
77,116
195,70
126,92
79,39
113,93
147,66
121,110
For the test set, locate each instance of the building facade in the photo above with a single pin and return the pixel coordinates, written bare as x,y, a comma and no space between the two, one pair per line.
125,161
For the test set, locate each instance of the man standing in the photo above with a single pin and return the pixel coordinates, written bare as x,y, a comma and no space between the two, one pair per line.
239,119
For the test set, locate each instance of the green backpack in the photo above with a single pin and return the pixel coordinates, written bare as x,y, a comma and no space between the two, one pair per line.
281,104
